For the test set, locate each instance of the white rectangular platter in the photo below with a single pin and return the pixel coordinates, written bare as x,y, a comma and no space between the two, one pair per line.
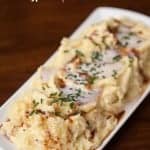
97,15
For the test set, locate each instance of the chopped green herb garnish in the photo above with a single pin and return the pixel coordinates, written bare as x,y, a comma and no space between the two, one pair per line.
60,94
126,43
63,98
79,53
32,112
82,83
53,94
55,100
96,56
114,73
92,69
131,59
131,33
35,104
57,113
91,79
75,76
46,85
103,77
117,58
78,92
126,37
72,75
41,100
72,105
87,64
139,41
43,88
66,51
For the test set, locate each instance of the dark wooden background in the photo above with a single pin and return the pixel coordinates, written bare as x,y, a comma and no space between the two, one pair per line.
30,33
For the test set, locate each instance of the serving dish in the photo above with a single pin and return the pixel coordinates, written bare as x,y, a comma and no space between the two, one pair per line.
97,15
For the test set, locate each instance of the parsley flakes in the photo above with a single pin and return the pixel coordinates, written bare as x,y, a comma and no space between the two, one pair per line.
117,58
96,56
79,53
91,79
66,51
35,104
114,74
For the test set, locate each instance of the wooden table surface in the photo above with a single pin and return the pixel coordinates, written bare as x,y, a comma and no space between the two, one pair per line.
31,32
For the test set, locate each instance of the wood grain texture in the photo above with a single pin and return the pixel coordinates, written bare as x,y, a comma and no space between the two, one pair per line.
31,32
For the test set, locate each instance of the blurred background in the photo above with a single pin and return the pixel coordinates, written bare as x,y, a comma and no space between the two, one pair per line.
30,32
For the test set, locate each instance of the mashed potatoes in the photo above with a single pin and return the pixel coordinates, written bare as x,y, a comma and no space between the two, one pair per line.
77,98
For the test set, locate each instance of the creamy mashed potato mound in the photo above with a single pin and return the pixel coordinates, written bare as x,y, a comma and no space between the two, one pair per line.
77,99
